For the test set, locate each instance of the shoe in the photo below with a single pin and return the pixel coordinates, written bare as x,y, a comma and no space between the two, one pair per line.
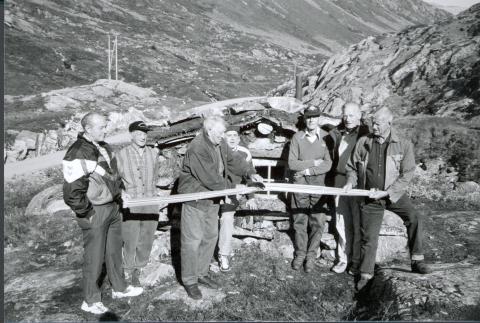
362,282
130,291
339,267
353,270
420,267
297,263
224,263
207,281
193,291
95,308
136,277
309,265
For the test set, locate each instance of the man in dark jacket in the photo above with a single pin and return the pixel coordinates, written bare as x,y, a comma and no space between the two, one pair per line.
341,142
384,163
92,190
206,167
309,158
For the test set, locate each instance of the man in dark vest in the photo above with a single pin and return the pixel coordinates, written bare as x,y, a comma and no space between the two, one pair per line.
341,142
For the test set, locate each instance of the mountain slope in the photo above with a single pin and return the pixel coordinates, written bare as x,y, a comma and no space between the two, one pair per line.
432,70
200,50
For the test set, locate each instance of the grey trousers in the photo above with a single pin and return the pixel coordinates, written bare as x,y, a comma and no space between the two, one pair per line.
198,237
102,242
138,236
347,225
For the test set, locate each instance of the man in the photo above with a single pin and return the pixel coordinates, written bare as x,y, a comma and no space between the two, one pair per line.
310,160
384,163
341,142
206,166
137,166
227,210
92,190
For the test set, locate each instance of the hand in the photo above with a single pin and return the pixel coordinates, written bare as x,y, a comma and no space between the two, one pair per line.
375,194
347,187
228,200
125,196
252,204
256,184
256,178
300,173
317,162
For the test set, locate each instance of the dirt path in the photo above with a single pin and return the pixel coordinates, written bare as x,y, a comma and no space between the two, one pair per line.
34,164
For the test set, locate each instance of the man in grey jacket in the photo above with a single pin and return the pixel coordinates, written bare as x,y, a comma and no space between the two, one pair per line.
384,163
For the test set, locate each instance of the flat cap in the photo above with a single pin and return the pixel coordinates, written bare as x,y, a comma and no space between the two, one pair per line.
311,111
138,125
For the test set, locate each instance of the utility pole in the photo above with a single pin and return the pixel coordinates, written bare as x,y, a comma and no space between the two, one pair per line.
112,52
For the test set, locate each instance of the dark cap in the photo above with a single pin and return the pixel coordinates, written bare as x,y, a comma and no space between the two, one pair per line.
138,125
311,112
233,128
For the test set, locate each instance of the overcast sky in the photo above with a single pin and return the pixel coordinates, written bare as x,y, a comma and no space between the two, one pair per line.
460,3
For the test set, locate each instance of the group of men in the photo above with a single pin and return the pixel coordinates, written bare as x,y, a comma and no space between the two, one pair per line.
96,180
349,156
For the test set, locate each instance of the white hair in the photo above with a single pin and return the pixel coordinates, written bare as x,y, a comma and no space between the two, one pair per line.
212,122
385,113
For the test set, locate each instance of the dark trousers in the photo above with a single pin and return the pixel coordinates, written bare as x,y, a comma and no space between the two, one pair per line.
306,244
371,222
308,212
198,238
102,242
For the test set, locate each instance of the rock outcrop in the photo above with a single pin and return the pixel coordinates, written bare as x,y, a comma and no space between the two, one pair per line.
430,70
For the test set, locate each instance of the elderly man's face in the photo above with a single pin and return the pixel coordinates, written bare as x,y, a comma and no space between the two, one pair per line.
139,138
381,125
351,116
97,130
311,123
233,139
217,133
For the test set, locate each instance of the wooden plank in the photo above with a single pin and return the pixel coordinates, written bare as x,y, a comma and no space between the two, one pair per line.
276,187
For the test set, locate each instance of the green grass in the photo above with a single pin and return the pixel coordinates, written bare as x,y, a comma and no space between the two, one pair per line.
264,288
18,227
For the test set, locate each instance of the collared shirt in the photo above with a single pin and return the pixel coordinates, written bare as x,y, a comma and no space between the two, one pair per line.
312,137
375,172
345,148
138,169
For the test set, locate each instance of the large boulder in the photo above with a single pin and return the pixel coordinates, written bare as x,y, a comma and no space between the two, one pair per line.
392,242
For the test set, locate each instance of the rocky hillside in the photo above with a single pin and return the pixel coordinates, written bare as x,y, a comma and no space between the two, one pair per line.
200,50
429,76
432,70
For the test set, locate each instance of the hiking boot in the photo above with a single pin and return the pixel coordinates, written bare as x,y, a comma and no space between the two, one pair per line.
95,308
420,267
339,267
224,263
309,265
130,291
364,279
207,281
136,277
193,291
297,263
